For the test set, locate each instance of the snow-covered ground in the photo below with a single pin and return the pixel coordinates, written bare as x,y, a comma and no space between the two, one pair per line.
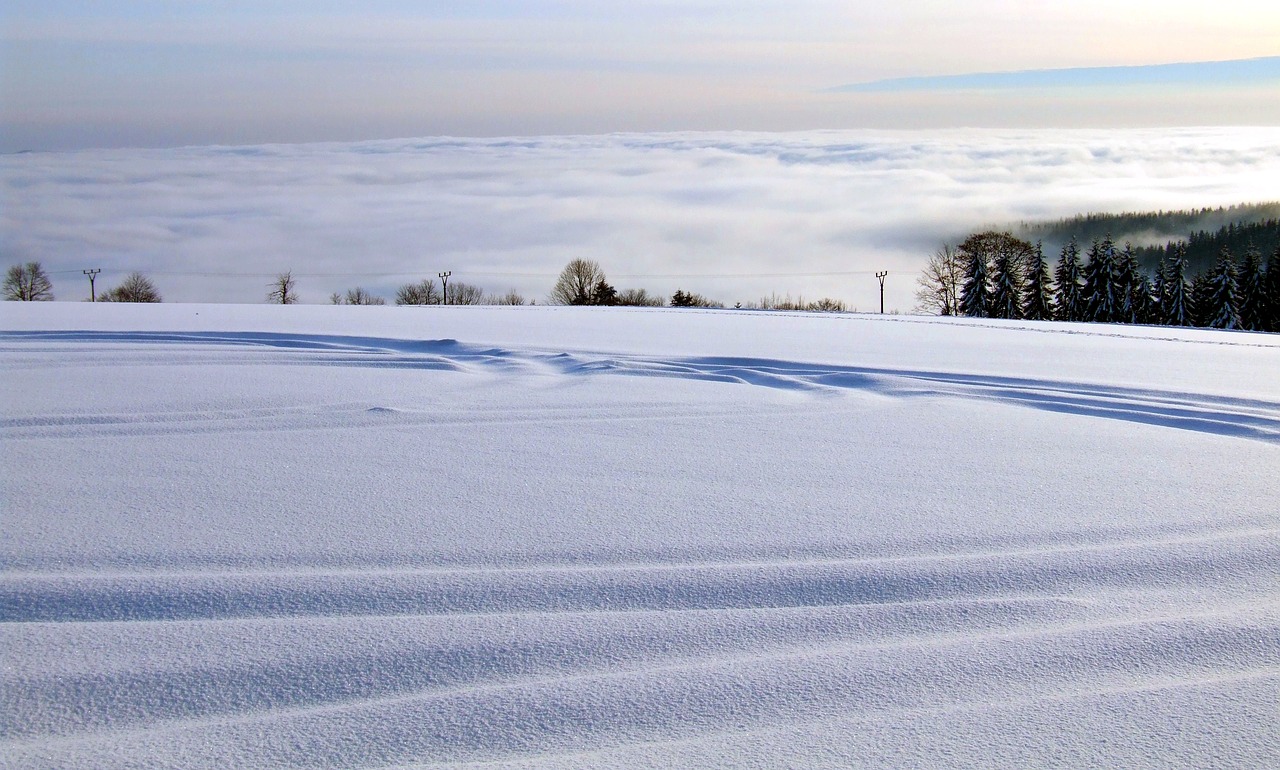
240,536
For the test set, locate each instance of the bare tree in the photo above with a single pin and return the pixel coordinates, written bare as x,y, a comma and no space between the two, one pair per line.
136,287
282,290
774,302
423,292
464,294
939,285
827,305
639,298
576,283
359,296
28,283
512,297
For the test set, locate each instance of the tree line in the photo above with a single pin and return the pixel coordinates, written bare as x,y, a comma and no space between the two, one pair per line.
1203,246
1204,231
994,274
426,292
582,282
30,283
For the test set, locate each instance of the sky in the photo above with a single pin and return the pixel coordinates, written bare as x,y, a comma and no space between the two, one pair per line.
155,73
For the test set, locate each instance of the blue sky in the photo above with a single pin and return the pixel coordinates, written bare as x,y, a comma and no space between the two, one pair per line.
103,74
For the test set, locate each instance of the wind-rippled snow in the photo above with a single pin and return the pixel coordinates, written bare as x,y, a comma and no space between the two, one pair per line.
567,537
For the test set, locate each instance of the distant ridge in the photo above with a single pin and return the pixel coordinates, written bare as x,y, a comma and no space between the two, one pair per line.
1217,73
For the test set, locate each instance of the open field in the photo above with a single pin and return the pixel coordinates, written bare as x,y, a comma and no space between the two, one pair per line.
254,536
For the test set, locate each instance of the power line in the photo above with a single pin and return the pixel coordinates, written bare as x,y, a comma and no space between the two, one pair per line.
744,275
444,281
93,274
482,273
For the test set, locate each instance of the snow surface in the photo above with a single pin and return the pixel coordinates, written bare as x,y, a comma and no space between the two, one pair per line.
243,536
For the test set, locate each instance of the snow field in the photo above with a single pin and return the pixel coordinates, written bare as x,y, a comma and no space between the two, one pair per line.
553,537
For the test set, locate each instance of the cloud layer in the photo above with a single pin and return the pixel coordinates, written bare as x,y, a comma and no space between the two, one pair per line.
731,215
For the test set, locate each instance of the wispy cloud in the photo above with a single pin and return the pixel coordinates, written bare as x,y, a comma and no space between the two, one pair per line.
1249,72
731,215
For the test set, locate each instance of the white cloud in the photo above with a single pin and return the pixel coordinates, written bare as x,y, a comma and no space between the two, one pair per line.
729,211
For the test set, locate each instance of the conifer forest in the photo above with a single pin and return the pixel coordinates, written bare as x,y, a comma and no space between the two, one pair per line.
996,274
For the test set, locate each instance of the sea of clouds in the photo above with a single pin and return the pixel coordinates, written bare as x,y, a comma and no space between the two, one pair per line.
735,216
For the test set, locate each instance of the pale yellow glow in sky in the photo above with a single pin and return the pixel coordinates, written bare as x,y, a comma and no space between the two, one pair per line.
146,72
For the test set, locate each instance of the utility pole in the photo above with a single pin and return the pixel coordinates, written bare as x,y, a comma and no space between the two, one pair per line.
93,295
881,275
444,281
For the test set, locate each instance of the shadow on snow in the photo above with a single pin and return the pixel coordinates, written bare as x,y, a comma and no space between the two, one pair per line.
1237,417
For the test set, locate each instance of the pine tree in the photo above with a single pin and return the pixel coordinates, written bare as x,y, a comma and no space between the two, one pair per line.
1253,298
1099,283
1006,287
975,294
1039,303
603,294
1271,312
993,260
1201,299
1070,304
1146,310
1127,280
1174,308
1223,298
1159,289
